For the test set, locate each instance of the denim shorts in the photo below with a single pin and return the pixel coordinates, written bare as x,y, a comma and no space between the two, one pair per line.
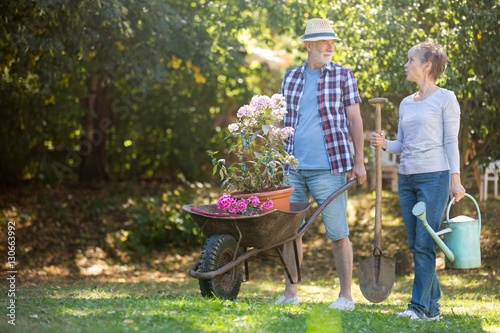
320,184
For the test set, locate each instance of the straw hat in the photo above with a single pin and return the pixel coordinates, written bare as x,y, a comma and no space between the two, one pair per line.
318,29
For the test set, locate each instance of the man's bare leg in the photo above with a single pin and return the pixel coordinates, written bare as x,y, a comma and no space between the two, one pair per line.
342,252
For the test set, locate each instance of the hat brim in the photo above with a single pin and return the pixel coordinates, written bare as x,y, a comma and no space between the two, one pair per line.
313,39
318,36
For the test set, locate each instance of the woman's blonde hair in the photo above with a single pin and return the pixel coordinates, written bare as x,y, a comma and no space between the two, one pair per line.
434,53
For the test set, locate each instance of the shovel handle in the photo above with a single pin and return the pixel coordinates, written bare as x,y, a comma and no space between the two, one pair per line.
378,171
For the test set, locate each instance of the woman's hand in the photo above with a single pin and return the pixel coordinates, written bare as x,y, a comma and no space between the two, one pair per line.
378,140
456,188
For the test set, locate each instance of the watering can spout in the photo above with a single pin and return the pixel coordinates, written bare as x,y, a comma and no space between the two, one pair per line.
419,212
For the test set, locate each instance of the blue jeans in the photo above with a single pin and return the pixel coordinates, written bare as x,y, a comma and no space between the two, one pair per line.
433,189
320,184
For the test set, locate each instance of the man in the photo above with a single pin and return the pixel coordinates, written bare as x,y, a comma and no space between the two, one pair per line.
323,106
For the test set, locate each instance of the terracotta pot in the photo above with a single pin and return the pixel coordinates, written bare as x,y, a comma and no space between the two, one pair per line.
280,197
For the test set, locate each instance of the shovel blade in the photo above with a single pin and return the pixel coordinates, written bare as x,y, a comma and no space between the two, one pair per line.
377,274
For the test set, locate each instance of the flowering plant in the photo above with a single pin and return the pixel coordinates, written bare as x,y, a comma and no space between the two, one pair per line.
247,207
260,150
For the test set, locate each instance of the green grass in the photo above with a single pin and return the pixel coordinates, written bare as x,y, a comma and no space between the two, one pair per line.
470,304
69,282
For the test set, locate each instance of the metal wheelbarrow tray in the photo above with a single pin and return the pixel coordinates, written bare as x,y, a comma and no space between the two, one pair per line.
233,240
258,231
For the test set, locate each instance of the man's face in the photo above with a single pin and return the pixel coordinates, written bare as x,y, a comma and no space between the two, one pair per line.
319,53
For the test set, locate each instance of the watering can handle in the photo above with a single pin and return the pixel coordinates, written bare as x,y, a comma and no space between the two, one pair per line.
475,203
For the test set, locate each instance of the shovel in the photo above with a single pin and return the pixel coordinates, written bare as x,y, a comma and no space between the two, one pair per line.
377,272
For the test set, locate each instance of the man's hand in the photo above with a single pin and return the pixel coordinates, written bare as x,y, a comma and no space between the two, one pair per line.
359,172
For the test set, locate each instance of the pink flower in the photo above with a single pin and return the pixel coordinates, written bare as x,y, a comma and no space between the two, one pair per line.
233,208
245,111
260,102
246,207
224,202
242,205
233,127
258,144
278,101
266,205
254,201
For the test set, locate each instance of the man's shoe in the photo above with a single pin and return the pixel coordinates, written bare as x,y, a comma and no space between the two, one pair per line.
342,304
283,300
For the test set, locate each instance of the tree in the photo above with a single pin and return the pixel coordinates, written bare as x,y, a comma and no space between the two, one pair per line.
73,53
92,89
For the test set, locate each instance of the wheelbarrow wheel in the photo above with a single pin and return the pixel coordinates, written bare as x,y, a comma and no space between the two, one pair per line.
218,251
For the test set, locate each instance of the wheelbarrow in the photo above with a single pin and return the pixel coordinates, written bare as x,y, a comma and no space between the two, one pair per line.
232,241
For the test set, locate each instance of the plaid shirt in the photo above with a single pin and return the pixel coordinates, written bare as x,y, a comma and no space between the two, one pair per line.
337,89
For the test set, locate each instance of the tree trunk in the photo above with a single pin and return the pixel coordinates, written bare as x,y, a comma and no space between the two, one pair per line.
93,168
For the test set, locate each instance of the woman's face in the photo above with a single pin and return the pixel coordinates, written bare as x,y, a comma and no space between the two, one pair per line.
320,53
414,68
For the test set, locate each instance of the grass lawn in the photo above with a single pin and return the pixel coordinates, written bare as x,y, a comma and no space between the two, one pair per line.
92,291
469,304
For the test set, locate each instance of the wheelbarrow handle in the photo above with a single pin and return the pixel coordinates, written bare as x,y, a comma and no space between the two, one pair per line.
325,203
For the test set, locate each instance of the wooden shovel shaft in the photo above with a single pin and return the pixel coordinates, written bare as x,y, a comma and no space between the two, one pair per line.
378,173
377,272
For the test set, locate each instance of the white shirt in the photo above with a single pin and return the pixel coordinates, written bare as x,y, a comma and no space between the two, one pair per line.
428,134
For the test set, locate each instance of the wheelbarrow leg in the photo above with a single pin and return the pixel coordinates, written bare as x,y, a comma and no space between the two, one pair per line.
247,275
297,264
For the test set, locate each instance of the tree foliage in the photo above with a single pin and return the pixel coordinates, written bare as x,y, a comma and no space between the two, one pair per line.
151,83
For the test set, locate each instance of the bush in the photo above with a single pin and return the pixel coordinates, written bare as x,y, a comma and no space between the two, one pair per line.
158,222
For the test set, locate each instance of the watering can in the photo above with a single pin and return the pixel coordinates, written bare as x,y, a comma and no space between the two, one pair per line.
461,244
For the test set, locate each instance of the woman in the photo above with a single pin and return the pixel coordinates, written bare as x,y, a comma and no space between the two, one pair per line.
427,140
